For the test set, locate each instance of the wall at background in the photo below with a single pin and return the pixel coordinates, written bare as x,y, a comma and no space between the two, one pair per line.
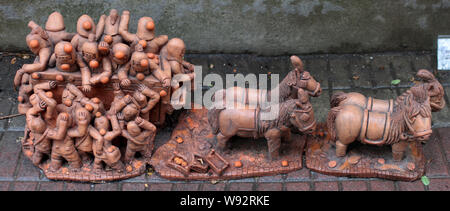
256,26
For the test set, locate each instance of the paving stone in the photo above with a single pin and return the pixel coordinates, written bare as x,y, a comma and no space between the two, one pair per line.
380,74
300,175
114,186
444,136
213,187
319,176
4,186
25,186
27,171
325,186
275,178
186,187
382,185
5,107
321,106
442,118
402,69
439,184
385,94
317,67
298,186
141,178
269,186
9,154
360,71
51,186
339,72
16,123
432,152
421,61
354,186
444,77
75,186
133,186
411,186
238,186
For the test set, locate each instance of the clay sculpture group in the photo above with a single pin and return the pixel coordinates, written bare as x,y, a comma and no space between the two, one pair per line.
95,99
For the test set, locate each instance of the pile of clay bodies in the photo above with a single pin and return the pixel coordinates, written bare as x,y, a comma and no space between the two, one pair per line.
93,99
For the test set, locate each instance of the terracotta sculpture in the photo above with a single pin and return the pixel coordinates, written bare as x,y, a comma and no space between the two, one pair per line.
434,88
145,34
242,122
409,120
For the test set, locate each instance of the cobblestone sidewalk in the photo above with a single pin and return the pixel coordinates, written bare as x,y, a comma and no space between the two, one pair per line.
370,74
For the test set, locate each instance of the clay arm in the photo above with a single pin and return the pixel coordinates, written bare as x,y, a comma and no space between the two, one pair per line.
62,123
41,64
85,74
100,27
122,74
162,76
155,44
68,36
62,108
75,41
123,27
107,67
126,135
82,125
109,136
144,134
52,61
144,124
74,90
93,132
51,103
154,97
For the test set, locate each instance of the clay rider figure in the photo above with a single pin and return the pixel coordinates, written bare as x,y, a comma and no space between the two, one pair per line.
145,34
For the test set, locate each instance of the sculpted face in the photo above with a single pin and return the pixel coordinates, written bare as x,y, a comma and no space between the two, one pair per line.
120,53
133,129
101,123
130,112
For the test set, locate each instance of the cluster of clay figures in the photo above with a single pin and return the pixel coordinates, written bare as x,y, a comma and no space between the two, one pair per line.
75,76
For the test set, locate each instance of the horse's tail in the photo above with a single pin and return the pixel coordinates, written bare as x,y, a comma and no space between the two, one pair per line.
337,98
331,124
213,119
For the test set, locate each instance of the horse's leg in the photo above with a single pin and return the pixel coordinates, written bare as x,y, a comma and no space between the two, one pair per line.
398,150
221,141
341,149
273,137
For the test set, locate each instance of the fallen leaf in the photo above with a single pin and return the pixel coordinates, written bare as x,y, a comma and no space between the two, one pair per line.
26,56
13,60
146,185
355,77
395,82
214,181
425,180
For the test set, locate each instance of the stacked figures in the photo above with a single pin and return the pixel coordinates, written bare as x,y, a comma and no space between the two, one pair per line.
93,99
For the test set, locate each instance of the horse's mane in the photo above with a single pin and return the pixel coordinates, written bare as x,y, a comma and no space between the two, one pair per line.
411,103
285,85
286,108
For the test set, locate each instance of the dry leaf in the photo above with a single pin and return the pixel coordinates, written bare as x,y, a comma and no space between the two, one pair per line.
13,60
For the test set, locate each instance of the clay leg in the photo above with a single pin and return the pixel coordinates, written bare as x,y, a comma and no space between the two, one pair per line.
221,141
398,150
98,163
274,142
73,159
37,157
341,149
56,162
129,154
84,156
118,166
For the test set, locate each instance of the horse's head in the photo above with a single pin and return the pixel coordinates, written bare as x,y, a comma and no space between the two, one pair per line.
303,115
417,115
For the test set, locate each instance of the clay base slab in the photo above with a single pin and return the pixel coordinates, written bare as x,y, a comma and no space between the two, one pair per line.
87,173
365,161
193,128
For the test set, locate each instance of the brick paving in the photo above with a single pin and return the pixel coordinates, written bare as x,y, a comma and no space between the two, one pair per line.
370,74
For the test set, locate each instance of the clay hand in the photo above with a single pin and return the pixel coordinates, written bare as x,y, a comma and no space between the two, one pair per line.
126,12
303,84
141,87
127,99
166,82
52,84
86,88
138,120
42,105
82,116
64,116
116,86
120,116
103,47
125,82
190,67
